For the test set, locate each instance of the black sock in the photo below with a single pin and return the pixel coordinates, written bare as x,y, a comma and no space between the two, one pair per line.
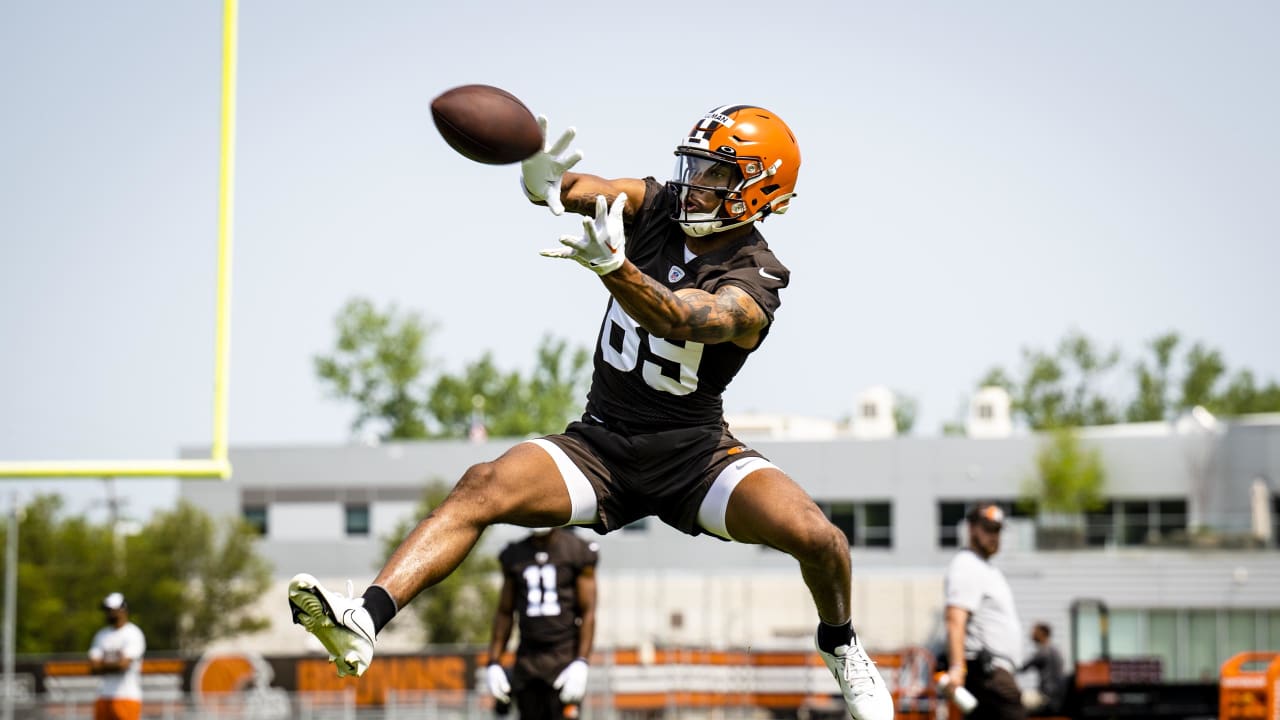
831,637
380,605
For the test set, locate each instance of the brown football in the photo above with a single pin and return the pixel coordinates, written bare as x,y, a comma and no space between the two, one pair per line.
486,124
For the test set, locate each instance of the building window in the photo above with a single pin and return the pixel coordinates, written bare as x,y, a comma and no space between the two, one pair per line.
1170,520
1183,645
865,524
949,516
1099,526
357,515
841,514
869,411
1135,522
256,517
877,525
985,412
1131,523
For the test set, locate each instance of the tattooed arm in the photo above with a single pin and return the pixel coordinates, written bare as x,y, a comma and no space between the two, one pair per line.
729,315
578,193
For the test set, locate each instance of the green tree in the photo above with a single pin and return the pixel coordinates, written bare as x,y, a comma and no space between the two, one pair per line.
378,363
1162,393
186,585
1069,478
1061,388
1243,396
1205,367
559,383
1152,400
64,570
457,400
507,403
904,413
193,580
459,608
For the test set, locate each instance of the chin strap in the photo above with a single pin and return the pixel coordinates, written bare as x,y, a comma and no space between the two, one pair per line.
702,229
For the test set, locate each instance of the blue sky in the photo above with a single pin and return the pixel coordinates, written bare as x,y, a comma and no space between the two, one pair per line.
977,178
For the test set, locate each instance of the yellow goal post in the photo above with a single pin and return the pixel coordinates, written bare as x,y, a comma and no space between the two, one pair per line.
217,465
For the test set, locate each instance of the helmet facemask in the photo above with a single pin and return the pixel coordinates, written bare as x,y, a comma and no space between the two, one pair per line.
709,197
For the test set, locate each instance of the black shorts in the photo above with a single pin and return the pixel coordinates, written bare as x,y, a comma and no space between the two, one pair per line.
997,694
537,667
665,473
537,700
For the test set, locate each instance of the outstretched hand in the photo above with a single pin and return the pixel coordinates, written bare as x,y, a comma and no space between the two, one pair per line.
542,172
602,246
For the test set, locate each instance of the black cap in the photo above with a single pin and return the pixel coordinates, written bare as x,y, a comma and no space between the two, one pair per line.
987,513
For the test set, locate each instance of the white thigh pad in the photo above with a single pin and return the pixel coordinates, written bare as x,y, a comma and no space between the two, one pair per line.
582,496
714,506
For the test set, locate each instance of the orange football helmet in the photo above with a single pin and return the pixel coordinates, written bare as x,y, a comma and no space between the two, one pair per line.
747,156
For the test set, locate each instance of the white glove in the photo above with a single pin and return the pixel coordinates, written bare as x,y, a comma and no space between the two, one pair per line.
541,173
602,247
572,682
499,685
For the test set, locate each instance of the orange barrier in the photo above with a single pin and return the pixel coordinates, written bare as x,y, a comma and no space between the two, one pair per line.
1247,693
637,679
1092,673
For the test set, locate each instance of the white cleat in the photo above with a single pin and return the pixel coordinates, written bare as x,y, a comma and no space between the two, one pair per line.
863,689
339,622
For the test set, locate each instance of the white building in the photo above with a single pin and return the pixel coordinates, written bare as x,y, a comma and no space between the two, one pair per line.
1175,553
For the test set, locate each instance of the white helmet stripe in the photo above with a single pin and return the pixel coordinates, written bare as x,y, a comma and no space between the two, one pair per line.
701,132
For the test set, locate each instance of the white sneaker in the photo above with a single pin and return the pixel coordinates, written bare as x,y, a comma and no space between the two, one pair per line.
863,689
339,622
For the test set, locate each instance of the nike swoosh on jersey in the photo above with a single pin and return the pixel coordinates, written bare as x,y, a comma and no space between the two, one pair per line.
765,273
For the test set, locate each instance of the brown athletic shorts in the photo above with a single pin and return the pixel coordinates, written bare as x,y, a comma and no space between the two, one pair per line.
666,473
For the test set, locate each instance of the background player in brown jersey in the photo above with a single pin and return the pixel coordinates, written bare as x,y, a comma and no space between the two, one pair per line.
692,291
549,586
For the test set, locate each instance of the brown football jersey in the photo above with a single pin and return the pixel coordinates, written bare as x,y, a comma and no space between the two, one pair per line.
546,582
643,383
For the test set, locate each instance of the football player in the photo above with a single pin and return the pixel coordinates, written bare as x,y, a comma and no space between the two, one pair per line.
549,585
692,291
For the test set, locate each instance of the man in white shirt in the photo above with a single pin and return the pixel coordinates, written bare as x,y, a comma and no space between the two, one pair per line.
116,655
984,635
